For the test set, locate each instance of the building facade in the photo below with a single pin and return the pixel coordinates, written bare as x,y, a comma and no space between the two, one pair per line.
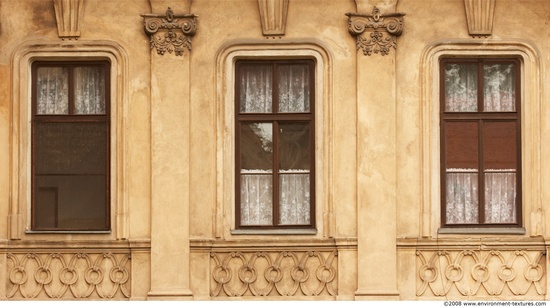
274,149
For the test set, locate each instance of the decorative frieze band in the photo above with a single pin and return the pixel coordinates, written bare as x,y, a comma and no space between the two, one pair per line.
68,276
482,273
272,273
170,32
376,32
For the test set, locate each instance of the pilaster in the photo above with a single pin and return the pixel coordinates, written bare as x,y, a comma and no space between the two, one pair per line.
170,123
376,151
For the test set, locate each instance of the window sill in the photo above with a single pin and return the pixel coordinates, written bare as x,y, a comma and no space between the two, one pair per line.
502,231
274,231
68,231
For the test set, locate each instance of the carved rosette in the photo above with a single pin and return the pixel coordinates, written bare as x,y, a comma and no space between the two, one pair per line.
376,33
272,273
171,32
68,275
478,273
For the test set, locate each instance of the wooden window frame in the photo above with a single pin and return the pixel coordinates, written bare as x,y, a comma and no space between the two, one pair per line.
72,117
481,117
275,118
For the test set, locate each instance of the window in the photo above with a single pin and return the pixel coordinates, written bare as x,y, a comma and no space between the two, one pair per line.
70,146
275,150
480,142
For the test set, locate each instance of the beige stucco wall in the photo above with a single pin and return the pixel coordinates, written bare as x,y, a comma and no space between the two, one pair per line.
377,210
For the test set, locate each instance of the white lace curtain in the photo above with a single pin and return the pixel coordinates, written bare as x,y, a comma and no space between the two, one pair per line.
461,88
53,90
257,185
462,198
462,185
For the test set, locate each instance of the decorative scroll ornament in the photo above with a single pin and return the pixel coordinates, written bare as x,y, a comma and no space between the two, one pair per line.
376,32
170,33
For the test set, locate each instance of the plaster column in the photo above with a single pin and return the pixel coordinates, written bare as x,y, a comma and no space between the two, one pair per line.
376,156
170,122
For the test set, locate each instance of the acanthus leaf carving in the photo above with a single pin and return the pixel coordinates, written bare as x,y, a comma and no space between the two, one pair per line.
170,32
376,32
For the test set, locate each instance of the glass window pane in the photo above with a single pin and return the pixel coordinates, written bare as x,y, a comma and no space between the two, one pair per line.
89,90
462,198
256,147
256,88
70,148
461,88
256,199
71,179
294,149
293,88
500,197
294,199
52,90
499,146
461,145
499,88
70,201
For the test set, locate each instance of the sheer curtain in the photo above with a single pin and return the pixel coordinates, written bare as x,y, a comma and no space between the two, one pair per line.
89,90
257,184
462,185
53,92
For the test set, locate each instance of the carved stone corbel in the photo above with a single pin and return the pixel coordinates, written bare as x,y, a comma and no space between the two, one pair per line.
376,32
479,15
68,15
170,32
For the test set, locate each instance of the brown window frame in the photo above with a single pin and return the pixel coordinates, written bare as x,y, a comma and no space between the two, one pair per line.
481,117
275,118
69,118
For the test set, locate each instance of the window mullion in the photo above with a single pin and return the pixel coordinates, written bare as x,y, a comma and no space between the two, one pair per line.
481,172
481,176
275,133
72,98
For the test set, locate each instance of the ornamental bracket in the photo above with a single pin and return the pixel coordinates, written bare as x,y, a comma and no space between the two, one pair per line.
382,30
170,32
